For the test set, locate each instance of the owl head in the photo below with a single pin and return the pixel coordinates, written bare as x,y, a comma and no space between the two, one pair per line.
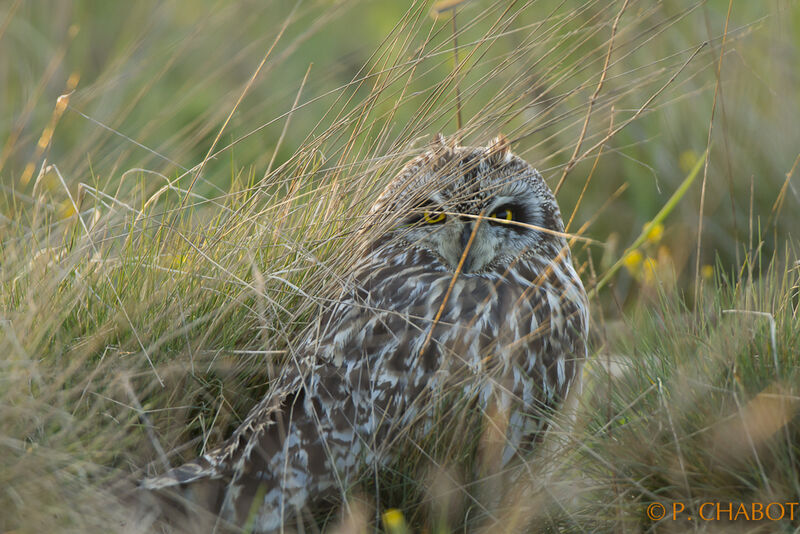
482,200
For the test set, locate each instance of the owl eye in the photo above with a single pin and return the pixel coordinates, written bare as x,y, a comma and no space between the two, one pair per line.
433,217
504,214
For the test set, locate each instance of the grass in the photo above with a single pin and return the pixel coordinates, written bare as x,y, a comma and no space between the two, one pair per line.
145,305
700,405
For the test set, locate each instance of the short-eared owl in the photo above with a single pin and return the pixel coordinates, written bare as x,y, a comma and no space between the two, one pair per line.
464,284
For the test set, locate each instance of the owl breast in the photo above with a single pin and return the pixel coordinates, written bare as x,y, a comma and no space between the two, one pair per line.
409,330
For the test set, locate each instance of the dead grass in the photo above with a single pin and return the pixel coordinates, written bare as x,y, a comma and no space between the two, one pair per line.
188,208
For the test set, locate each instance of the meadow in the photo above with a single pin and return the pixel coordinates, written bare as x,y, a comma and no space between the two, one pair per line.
181,181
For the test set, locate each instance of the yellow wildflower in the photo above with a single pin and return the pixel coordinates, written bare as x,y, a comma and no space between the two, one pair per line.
655,233
632,261
66,209
650,269
394,521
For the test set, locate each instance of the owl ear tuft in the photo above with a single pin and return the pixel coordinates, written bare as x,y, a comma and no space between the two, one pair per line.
443,148
441,142
499,148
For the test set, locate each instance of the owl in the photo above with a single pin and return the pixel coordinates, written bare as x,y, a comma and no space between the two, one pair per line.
463,289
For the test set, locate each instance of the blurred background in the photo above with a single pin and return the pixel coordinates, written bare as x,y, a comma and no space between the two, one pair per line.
151,85
179,183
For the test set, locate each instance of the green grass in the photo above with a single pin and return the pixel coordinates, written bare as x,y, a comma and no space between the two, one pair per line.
692,406
144,307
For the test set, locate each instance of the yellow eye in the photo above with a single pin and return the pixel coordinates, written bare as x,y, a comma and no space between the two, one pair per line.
505,214
432,217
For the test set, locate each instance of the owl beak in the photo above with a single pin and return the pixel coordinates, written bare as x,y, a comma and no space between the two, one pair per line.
466,232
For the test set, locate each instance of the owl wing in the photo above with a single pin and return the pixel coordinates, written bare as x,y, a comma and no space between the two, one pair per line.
325,415
363,372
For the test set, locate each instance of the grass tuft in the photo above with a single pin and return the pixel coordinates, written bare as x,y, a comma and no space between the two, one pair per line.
181,189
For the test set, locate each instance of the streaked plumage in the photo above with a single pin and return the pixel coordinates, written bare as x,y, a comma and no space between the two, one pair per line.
507,329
